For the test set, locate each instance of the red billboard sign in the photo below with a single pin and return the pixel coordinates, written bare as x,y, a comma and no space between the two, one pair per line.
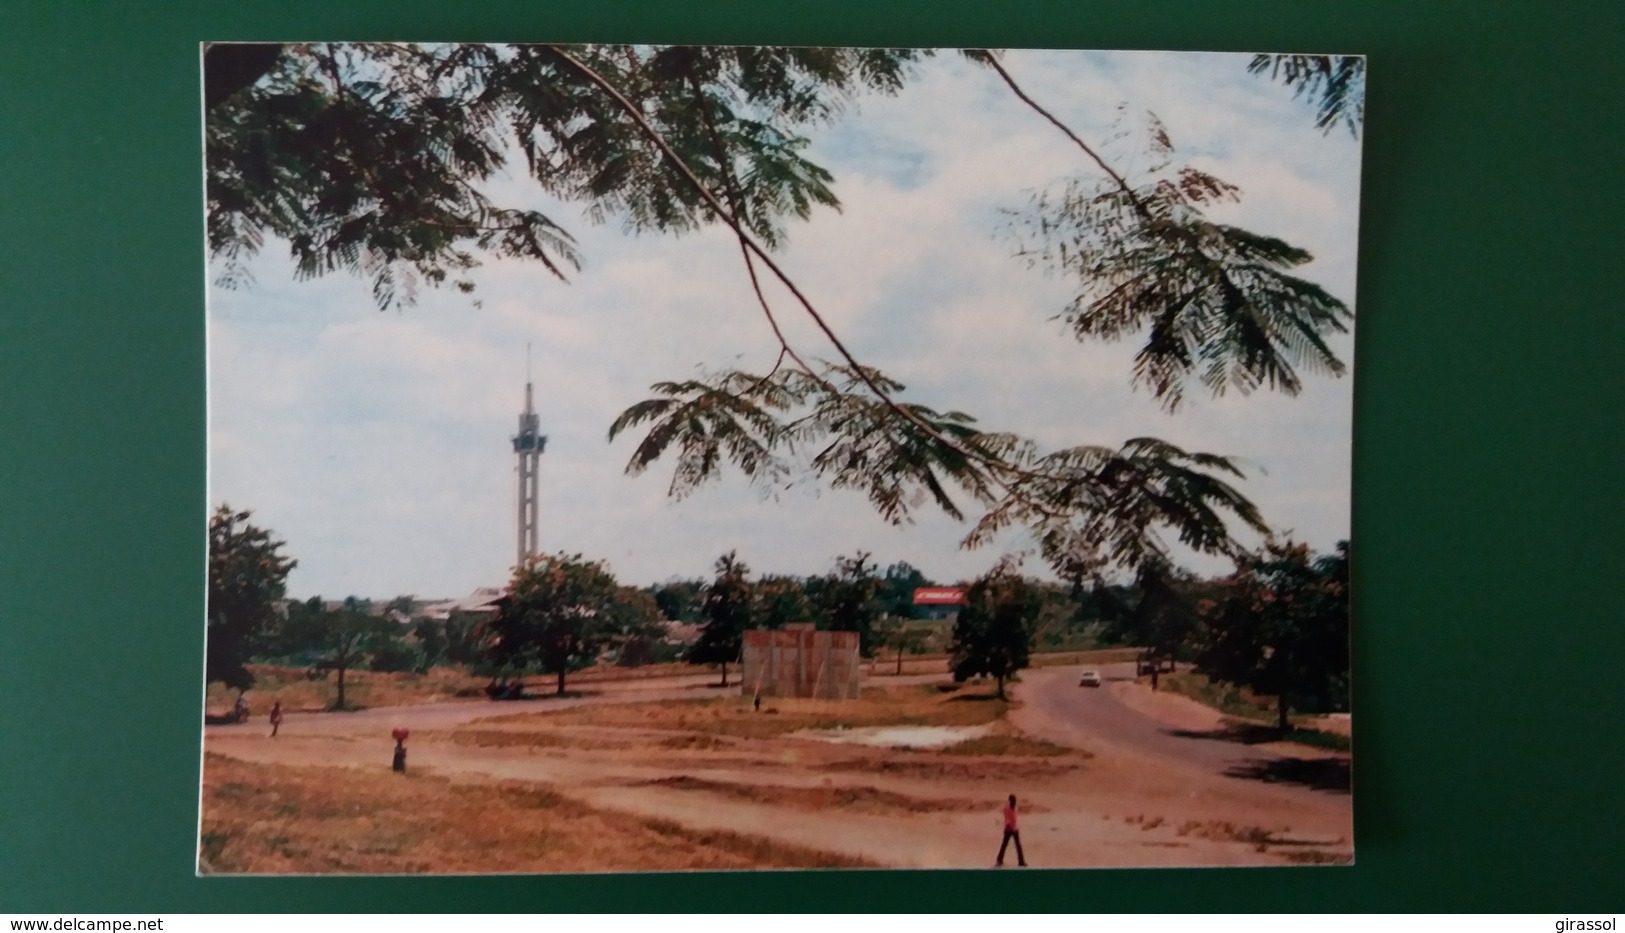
939,596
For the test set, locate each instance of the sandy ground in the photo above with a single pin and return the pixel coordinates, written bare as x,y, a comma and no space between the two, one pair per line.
1145,788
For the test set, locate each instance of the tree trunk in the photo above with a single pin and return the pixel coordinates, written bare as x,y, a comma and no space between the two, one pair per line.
1154,667
1000,679
725,673
561,682
899,662
1280,709
340,704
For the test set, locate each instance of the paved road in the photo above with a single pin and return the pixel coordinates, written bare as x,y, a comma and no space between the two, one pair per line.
1091,715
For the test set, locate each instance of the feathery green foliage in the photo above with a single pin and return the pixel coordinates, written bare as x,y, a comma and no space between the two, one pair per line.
368,158
371,159
1097,507
1212,301
1337,80
1112,506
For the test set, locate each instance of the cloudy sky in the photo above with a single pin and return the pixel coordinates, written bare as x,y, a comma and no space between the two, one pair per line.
377,443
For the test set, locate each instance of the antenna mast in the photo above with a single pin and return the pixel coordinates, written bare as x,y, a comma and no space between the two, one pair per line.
528,445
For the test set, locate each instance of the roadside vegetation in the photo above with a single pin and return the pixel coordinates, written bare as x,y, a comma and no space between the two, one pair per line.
1276,627
299,691
1226,698
1247,709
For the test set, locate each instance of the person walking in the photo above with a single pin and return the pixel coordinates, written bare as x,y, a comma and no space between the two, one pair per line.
276,718
1011,831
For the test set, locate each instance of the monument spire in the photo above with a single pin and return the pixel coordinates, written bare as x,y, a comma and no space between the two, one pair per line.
527,447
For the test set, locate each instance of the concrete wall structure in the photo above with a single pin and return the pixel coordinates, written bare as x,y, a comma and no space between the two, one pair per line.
797,661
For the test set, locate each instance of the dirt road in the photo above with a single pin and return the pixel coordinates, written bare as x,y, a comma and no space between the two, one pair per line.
1171,731
1144,795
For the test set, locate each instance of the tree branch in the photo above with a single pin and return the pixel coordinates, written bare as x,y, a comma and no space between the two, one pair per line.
735,199
749,244
1139,205
999,473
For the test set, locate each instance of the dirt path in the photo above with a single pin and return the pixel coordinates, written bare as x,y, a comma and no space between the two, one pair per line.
1151,751
453,713
1059,836
1143,798
1130,715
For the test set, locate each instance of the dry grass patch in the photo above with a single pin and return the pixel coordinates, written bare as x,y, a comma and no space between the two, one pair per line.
934,767
1285,843
261,818
611,673
487,738
1313,857
913,705
1239,702
1017,746
756,851
845,799
296,691
1090,656
696,742
937,662
1224,830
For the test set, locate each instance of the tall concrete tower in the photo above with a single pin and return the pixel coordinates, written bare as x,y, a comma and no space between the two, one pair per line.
527,447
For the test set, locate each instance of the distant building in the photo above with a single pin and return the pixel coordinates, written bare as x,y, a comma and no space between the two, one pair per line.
438,611
485,602
682,633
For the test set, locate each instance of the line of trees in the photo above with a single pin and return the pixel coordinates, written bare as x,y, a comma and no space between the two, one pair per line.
561,613
1277,625
331,641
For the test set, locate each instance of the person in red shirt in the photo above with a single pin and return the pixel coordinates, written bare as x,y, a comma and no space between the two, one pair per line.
1011,831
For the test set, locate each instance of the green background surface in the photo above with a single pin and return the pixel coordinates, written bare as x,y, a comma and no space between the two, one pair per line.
1488,511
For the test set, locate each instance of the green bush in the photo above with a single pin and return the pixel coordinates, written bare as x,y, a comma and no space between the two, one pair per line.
398,655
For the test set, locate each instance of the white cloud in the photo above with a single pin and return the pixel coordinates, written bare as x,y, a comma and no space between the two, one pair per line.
376,443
